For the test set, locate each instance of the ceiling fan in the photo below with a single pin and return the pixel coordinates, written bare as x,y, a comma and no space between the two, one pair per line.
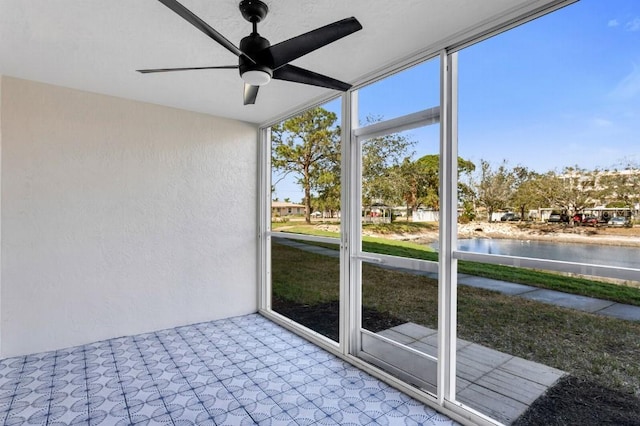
258,61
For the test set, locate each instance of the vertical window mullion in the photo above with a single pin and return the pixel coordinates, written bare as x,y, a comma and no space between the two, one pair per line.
447,285
264,218
354,223
346,205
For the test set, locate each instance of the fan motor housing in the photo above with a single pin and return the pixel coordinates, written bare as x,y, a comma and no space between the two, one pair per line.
250,45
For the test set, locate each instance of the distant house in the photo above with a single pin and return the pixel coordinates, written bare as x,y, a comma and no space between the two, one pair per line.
283,208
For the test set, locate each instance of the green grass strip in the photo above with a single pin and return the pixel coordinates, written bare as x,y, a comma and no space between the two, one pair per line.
541,279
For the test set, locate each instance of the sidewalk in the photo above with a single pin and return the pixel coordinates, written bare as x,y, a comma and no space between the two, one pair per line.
552,297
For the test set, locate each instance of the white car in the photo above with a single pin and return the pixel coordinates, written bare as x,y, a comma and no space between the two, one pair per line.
620,221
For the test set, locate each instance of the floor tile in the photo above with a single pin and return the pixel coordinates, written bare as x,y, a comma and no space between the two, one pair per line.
244,370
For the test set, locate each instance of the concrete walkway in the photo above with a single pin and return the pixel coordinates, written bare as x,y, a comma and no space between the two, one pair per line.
500,385
552,297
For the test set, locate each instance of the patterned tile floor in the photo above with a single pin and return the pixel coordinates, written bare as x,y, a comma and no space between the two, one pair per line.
238,371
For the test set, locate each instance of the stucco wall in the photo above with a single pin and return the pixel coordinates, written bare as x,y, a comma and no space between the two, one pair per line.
1,82
120,217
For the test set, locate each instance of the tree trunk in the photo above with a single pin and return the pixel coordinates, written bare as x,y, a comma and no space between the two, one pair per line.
307,204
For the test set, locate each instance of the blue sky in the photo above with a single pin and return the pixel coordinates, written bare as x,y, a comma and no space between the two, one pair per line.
563,90
560,91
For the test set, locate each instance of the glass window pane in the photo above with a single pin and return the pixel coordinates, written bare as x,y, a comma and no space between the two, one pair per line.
305,282
305,176
402,305
414,89
305,171
400,193
548,115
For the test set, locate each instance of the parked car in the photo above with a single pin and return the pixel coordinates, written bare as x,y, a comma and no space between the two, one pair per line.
509,217
590,221
558,217
620,221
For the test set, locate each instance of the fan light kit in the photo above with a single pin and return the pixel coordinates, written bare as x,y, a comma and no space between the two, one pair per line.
256,77
258,61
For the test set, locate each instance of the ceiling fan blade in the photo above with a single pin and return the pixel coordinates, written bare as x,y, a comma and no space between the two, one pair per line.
300,75
222,67
289,50
202,26
250,94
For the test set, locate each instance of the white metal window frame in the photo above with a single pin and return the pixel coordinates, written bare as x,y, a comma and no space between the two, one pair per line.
445,400
350,245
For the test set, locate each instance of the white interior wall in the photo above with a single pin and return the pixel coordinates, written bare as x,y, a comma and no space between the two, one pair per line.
120,217
0,215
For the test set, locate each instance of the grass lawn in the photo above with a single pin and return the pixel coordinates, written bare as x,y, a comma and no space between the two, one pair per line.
593,348
549,280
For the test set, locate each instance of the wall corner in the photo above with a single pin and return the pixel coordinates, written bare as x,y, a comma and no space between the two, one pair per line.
1,269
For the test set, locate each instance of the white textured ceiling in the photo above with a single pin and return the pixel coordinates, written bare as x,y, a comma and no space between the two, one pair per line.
97,45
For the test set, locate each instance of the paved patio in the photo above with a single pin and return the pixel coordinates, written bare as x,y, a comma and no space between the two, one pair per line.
237,371
497,384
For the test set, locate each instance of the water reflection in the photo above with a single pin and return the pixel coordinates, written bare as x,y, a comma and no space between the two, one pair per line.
626,257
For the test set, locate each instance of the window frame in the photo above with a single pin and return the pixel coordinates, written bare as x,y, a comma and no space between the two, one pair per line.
445,399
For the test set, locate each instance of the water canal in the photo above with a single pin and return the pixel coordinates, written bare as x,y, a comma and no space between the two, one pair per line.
626,257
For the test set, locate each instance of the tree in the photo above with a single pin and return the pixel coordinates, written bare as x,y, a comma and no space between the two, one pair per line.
417,181
466,193
571,191
526,191
307,145
328,199
577,189
495,188
421,181
328,187
381,160
428,179
548,187
406,184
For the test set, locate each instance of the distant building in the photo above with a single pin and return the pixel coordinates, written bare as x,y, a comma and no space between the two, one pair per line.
594,180
604,194
283,208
